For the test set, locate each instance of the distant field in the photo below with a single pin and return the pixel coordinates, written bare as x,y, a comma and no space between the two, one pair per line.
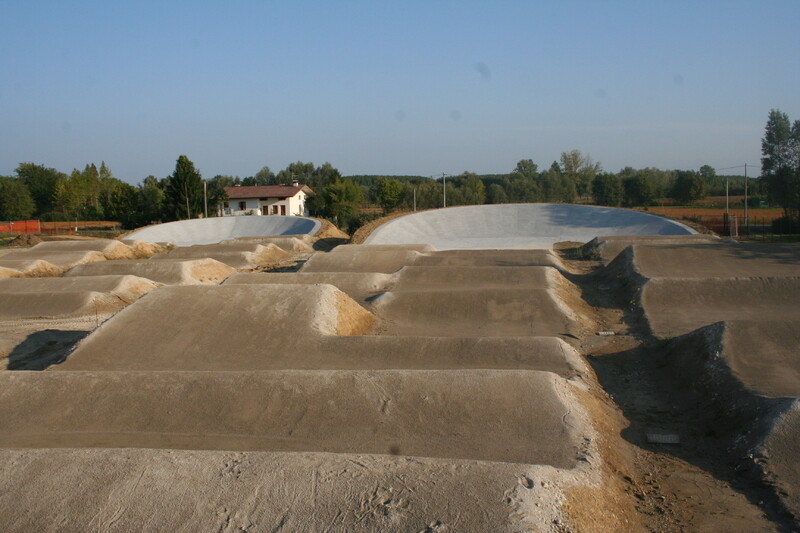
701,213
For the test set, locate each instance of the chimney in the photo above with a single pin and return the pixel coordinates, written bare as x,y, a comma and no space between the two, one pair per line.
295,183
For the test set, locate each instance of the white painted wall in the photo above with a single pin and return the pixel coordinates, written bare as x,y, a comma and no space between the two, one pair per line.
295,206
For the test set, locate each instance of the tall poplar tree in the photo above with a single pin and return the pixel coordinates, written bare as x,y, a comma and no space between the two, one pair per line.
184,191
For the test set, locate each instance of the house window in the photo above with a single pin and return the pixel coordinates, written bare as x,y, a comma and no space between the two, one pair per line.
283,210
242,206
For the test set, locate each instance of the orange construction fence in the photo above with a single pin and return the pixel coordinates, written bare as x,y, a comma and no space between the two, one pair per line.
21,226
60,227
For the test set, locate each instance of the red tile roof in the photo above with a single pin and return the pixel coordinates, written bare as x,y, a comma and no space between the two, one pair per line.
266,191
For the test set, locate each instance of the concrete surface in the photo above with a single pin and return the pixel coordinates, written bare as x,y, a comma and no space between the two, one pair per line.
519,226
217,229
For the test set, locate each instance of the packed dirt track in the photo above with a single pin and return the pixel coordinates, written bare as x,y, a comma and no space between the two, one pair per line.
265,384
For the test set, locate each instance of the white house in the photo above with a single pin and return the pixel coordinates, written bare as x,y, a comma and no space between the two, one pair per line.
267,200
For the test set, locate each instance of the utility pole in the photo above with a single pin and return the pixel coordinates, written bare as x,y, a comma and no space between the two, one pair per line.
186,195
747,224
726,196
205,196
444,190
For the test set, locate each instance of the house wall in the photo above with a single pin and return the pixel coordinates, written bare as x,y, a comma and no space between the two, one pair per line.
295,206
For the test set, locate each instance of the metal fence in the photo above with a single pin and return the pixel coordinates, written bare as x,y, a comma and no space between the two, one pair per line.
742,228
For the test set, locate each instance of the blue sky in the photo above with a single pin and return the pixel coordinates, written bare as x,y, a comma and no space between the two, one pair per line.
391,88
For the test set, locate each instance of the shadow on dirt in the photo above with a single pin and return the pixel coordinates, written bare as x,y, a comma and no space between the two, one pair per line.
43,349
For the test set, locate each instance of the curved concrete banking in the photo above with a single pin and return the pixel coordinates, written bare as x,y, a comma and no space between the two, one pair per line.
217,229
519,226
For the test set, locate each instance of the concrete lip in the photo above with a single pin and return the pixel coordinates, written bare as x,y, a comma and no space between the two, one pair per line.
536,226
218,229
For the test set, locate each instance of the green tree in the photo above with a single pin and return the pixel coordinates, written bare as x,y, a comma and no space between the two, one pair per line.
688,187
780,162
708,173
497,194
473,191
390,194
580,169
15,200
264,176
299,171
638,190
150,202
120,202
318,179
526,168
41,183
556,187
184,192
342,201
429,194
521,189
324,175
607,190
216,192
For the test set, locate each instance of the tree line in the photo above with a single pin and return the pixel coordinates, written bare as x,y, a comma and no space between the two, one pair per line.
95,194
37,191
574,178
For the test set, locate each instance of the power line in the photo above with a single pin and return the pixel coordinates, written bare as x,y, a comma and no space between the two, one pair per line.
737,166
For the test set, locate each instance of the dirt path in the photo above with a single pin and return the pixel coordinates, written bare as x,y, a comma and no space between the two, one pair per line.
693,484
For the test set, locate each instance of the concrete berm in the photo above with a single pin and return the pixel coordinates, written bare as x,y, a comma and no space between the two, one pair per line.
519,226
218,229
